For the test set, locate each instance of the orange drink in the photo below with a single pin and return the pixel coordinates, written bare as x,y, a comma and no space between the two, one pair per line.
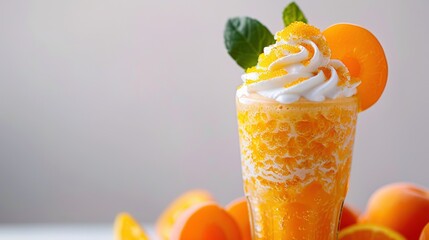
296,160
297,110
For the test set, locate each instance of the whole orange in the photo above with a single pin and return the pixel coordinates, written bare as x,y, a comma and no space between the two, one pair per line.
403,207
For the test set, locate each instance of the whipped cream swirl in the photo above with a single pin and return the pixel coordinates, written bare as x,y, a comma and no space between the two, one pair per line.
310,74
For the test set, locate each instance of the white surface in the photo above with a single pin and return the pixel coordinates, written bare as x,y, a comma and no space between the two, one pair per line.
110,105
60,232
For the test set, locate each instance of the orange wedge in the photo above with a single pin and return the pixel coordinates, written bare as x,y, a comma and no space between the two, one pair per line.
126,228
206,221
169,217
363,55
239,211
369,232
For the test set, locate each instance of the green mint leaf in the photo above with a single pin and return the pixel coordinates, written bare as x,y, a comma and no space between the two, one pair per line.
245,38
293,13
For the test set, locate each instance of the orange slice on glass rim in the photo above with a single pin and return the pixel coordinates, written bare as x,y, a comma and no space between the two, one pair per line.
363,55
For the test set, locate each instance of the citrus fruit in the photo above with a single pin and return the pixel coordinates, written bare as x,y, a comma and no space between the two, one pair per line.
368,232
239,211
424,235
403,207
363,55
205,221
170,215
126,228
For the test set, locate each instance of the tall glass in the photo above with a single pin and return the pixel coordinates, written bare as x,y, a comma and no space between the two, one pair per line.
296,161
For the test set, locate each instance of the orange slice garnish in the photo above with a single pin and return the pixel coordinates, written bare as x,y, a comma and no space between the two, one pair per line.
363,55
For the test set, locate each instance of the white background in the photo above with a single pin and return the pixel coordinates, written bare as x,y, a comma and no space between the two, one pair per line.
109,105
